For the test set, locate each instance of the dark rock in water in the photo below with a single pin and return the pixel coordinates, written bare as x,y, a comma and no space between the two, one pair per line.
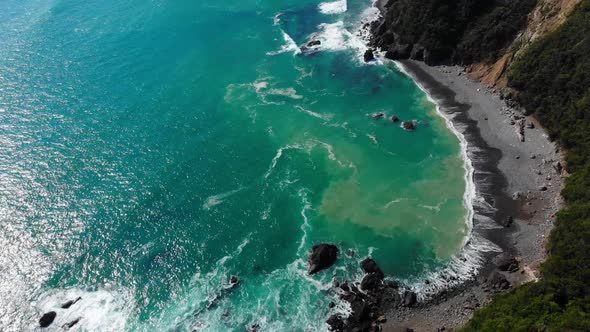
394,119
335,322
370,266
410,298
344,286
322,256
409,125
70,303
369,56
233,280
506,262
498,281
47,319
253,328
378,116
314,43
331,305
371,281
72,323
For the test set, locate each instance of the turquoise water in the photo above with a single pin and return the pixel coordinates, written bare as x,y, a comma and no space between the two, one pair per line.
151,149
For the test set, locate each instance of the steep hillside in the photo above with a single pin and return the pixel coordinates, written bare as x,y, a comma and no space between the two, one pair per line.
445,31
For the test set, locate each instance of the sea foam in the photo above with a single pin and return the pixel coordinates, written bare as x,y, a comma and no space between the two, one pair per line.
336,7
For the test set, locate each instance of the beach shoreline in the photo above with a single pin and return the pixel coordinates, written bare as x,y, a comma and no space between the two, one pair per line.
510,177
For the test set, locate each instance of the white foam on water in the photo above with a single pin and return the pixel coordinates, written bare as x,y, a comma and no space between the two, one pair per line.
101,310
373,138
289,46
302,193
278,156
395,201
314,114
336,7
286,92
215,200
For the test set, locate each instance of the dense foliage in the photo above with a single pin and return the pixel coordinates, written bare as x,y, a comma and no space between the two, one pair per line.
459,31
553,78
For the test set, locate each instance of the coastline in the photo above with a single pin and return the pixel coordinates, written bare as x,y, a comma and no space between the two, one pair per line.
508,176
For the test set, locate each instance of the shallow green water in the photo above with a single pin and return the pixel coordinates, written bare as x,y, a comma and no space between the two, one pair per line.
151,149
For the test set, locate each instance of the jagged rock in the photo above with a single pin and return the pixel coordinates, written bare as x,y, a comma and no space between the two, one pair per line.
72,323
322,256
47,319
371,281
378,116
498,281
392,284
369,56
410,298
70,303
335,322
506,262
314,43
409,125
370,266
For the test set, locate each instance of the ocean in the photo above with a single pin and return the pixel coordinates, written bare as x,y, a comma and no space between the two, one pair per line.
151,149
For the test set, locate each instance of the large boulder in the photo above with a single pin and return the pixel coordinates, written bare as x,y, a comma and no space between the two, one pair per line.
506,262
369,56
47,319
371,281
370,266
322,256
498,281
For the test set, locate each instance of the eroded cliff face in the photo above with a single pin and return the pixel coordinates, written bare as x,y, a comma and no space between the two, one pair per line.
546,17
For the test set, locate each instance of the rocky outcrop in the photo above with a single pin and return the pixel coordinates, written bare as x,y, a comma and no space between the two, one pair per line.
322,256
69,303
506,262
47,319
368,304
369,55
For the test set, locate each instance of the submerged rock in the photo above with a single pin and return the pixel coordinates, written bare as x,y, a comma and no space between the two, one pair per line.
378,116
394,119
409,125
47,319
322,256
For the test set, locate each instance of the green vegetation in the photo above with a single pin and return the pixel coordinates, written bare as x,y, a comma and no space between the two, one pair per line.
458,31
553,77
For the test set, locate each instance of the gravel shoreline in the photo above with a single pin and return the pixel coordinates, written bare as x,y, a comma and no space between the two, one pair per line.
516,181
